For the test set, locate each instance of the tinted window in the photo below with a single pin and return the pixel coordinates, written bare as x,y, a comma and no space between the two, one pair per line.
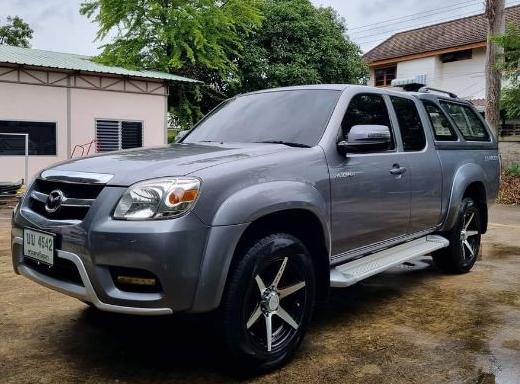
366,109
467,121
410,125
42,138
442,129
293,116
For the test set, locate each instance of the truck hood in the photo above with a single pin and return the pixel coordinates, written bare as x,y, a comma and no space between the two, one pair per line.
131,166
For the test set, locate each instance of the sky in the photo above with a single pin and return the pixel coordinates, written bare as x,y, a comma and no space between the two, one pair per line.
58,26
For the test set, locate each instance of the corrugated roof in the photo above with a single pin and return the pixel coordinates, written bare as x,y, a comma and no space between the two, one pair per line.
450,34
69,61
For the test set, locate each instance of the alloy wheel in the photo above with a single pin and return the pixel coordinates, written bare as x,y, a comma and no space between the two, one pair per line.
470,235
274,311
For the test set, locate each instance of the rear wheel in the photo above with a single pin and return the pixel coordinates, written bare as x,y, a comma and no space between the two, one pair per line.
269,302
464,239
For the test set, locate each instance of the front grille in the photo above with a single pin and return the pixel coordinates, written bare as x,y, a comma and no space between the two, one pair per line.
76,190
76,202
62,269
64,213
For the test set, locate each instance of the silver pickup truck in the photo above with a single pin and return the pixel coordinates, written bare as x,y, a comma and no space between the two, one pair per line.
271,199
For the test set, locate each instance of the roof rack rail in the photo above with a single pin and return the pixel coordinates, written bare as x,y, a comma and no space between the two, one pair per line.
428,89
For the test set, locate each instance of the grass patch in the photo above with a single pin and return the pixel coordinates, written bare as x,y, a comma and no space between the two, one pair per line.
171,135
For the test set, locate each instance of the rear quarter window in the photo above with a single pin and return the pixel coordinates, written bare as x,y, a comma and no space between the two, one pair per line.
467,121
442,128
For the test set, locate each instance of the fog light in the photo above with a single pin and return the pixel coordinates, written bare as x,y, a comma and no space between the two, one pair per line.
132,280
135,280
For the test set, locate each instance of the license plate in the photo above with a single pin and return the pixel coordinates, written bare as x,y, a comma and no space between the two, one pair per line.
38,245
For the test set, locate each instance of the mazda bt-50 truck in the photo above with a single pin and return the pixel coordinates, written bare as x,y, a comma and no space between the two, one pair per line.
271,199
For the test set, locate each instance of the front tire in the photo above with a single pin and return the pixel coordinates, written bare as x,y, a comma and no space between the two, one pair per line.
460,256
268,302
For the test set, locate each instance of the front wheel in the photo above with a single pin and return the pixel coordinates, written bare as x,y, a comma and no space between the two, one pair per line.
268,302
464,237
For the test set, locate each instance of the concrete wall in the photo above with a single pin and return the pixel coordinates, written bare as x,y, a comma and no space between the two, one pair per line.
509,152
49,103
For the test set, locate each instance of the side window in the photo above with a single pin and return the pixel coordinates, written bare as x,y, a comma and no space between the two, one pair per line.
467,121
442,129
366,109
410,124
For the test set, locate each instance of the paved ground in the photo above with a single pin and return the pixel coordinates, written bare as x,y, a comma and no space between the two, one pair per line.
408,325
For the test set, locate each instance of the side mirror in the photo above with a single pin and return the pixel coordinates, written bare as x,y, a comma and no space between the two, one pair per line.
181,135
366,138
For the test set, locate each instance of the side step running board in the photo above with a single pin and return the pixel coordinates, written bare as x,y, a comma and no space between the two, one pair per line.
350,273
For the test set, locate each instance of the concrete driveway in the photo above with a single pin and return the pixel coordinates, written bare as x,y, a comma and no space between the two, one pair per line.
409,325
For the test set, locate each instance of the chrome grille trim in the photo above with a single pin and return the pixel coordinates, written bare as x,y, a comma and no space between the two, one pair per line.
67,201
77,192
76,177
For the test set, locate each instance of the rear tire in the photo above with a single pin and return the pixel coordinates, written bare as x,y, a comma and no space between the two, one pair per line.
268,303
460,256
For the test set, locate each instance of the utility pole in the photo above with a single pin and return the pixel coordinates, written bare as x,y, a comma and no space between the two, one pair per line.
496,25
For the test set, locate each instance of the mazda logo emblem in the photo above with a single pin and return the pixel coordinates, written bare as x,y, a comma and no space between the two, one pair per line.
54,200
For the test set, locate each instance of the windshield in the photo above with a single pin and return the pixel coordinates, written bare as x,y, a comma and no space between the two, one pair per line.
296,116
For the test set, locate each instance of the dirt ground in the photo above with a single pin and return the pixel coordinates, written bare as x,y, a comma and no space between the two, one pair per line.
409,325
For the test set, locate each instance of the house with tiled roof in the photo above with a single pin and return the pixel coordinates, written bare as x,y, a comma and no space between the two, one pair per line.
54,106
449,56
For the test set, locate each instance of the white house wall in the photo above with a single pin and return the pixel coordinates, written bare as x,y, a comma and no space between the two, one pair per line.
465,78
33,103
425,66
89,105
43,97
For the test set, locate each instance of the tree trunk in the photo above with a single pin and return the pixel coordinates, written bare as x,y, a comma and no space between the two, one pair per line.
495,16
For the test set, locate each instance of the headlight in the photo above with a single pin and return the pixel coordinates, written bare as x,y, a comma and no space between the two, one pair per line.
158,198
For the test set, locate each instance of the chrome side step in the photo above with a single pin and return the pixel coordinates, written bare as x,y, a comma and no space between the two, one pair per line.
350,273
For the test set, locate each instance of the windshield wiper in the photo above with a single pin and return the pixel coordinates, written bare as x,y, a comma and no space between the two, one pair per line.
288,143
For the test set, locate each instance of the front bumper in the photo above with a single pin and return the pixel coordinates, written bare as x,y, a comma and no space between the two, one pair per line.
172,250
84,291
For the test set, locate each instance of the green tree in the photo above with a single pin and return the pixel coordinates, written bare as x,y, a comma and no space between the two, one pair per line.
15,32
298,43
193,38
510,66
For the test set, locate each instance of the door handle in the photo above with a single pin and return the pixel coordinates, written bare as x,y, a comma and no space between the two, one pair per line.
397,170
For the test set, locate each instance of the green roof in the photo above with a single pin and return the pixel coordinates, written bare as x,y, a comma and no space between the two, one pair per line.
73,62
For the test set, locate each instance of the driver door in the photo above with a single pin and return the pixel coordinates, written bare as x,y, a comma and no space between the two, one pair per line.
370,190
